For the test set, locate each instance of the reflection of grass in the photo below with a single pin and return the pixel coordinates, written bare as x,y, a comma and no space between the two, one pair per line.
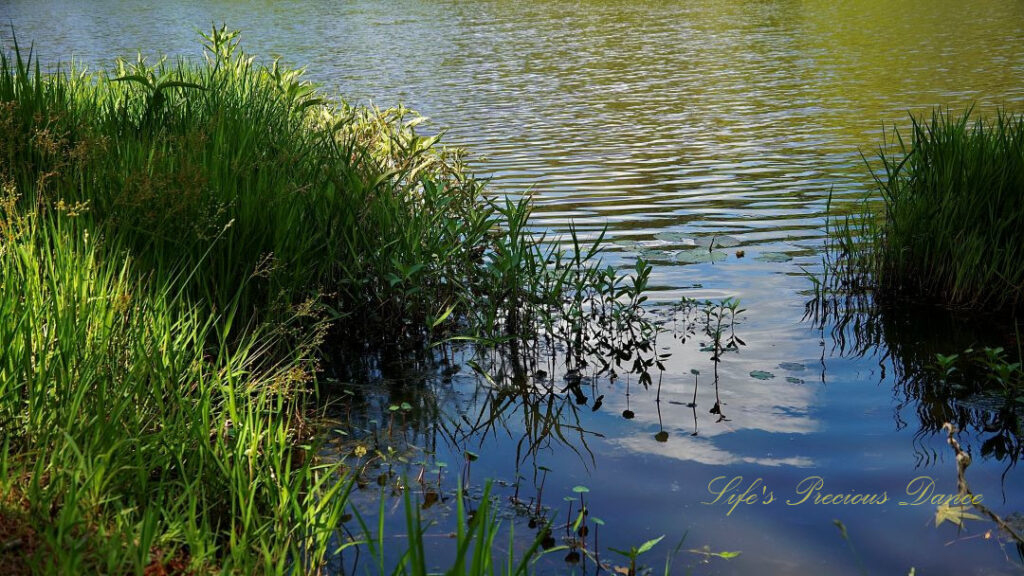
946,227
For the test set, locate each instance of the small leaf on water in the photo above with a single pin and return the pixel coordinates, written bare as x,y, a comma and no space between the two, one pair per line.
676,238
406,406
727,555
717,241
694,371
792,366
628,414
793,380
700,256
597,521
661,436
471,456
762,375
773,257
580,489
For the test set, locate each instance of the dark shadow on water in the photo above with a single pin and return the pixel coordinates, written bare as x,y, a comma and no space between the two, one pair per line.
909,340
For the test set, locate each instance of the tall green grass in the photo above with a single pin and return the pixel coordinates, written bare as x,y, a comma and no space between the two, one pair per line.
133,432
953,225
309,197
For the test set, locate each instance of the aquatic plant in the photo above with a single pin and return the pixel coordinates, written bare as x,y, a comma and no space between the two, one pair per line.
951,225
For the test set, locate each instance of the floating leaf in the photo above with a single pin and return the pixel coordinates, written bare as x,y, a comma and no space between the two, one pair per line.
762,375
700,256
471,456
773,257
793,380
676,238
580,489
792,366
717,241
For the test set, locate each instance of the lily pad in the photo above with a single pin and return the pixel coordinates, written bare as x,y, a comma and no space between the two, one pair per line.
717,241
762,375
793,380
793,366
700,256
676,238
773,257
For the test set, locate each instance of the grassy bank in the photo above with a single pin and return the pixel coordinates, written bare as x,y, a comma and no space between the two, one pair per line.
952,228
177,242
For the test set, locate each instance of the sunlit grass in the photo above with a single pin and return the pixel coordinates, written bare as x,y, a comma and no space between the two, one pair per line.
953,225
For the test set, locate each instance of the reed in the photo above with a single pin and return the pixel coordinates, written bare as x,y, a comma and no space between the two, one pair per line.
953,226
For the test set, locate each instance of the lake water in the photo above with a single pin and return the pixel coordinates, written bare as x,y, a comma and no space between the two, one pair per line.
670,124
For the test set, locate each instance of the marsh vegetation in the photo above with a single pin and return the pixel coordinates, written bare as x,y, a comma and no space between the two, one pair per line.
178,239
250,327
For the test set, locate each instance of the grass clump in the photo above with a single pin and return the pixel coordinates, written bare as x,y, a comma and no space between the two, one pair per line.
306,197
953,225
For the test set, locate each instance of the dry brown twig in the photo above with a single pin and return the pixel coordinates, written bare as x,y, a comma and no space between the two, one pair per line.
963,460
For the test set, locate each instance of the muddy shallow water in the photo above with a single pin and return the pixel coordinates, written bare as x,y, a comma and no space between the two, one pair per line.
674,126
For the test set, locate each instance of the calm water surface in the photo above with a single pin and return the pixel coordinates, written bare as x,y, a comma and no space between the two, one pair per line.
669,123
